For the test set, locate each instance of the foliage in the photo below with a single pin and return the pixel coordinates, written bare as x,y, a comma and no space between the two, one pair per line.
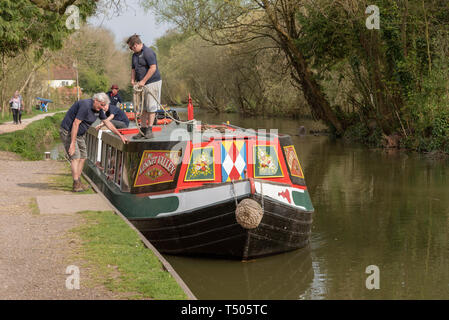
226,79
29,142
24,24
395,77
91,81
95,55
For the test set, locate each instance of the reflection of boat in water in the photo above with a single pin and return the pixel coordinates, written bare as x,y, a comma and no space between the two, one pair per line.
206,190
281,277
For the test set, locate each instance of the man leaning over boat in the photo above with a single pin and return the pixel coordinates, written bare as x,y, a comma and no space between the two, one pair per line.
81,115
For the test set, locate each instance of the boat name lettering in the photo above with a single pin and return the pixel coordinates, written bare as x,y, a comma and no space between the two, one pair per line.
161,160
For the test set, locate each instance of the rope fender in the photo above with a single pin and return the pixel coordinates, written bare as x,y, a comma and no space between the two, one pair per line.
249,213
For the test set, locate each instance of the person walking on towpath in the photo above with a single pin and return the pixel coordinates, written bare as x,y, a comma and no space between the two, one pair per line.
16,104
73,128
116,116
145,74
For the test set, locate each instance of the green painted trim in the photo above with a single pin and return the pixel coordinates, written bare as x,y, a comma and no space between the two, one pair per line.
302,199
130,205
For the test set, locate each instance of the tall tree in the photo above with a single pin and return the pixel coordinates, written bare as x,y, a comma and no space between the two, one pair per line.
229,22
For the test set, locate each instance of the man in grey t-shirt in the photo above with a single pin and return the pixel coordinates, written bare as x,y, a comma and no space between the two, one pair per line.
145,74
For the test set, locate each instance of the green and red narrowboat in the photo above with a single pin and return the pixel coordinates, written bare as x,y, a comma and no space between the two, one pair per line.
206,190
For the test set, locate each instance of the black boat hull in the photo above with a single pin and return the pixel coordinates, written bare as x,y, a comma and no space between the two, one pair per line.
212,230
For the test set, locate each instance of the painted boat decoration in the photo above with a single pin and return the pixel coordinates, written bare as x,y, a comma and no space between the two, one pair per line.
206,190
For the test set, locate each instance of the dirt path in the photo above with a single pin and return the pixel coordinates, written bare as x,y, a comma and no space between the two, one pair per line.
10,126
36,249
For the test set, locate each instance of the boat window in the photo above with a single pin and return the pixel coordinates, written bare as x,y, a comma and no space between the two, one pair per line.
87,139
95,150
103,155
90,145
118,173
111,163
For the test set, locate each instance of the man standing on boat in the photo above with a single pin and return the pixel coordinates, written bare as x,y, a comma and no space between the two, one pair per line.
77,120
114,96
145,75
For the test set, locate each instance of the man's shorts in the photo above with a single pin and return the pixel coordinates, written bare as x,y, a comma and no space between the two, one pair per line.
151,96
80,145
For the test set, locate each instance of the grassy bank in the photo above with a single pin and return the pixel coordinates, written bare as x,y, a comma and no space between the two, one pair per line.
29,142
120,260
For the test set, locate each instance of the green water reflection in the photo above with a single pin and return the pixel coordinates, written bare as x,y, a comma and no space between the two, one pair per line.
372,207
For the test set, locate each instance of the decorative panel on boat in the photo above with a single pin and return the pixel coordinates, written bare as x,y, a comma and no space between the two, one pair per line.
292,169
266,162
233,159
201,165
157,166
293,162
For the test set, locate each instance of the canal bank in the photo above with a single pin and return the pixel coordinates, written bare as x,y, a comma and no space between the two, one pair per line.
41,251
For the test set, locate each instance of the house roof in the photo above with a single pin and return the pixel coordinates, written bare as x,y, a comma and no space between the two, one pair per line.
62,73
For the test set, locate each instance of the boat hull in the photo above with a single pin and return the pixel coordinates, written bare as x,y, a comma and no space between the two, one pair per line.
211,229
214,231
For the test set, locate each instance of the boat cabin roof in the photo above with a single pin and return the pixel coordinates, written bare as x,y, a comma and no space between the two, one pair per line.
197,132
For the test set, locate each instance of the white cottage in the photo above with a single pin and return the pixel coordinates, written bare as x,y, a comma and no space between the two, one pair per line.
62,76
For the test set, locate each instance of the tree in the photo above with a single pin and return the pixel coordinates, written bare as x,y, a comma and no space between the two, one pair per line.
243,21
38,23
92,82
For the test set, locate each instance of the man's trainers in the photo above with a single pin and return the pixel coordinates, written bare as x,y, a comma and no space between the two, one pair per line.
77,186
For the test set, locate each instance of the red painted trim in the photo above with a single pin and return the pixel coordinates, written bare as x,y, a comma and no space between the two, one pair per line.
252,185
136,130
250,143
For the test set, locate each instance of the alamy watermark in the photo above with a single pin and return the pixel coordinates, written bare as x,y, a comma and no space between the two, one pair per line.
73,20
373,280
373,20
72,282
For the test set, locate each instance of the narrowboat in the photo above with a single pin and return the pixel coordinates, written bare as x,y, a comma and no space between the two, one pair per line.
205,190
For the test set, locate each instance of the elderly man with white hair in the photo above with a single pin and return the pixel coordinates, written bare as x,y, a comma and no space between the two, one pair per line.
74,126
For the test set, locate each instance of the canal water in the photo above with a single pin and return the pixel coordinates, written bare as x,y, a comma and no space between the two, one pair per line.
386,211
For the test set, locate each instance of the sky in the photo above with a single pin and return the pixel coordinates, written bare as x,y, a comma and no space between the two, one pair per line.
131,20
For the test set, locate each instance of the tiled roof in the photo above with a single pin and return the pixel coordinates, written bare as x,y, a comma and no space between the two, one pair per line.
63,73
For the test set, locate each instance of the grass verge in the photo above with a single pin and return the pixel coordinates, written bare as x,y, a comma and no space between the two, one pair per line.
28,143
64,180
120,260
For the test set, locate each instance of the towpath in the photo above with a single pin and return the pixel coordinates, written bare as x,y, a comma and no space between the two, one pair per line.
36,248
10,126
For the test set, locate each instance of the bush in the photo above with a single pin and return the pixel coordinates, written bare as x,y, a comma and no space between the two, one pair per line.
30,141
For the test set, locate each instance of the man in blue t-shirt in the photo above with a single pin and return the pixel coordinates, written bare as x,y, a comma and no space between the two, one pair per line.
116,116
114,95
77,120
145,75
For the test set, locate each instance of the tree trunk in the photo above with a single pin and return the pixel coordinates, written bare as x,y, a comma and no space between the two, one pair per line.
316,99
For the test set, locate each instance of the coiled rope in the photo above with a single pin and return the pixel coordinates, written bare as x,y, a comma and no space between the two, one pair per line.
141,96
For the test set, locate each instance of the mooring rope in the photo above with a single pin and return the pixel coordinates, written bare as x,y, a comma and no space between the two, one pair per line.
140,94
234,193
139,105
